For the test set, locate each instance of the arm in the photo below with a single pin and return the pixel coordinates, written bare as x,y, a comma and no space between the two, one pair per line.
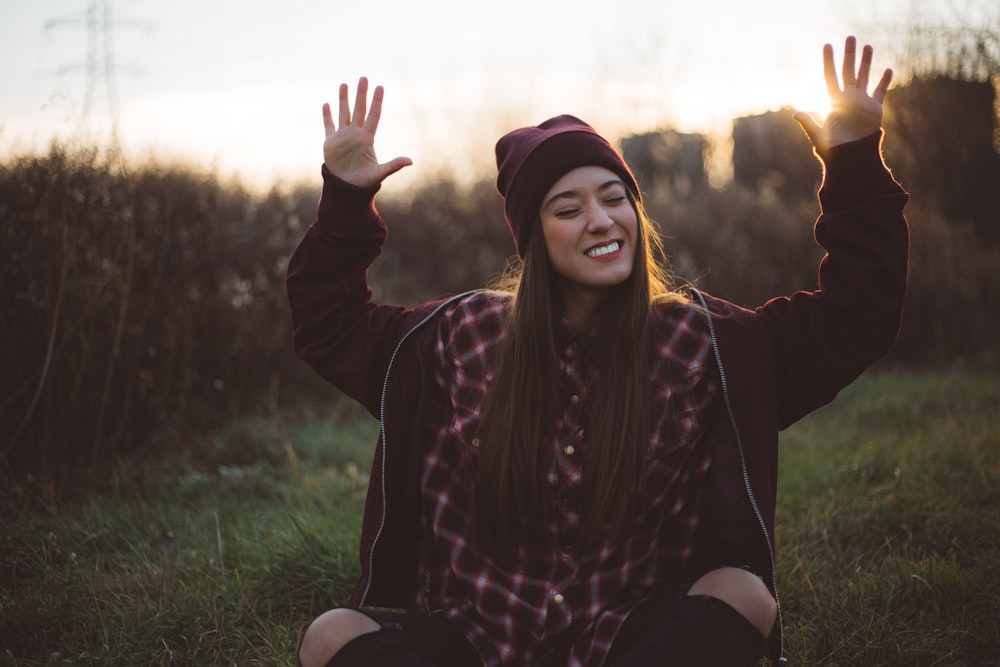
337,330
823,340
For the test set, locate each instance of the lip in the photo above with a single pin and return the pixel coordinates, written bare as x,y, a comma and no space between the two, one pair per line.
605,244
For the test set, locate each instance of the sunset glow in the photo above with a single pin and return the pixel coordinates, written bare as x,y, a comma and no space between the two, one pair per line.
238,86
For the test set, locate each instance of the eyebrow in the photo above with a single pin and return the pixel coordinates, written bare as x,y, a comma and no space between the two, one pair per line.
569,194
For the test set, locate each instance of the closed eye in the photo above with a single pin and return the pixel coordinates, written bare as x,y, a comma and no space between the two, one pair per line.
567,212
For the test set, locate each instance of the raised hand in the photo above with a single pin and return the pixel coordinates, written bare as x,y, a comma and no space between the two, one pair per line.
349,147
853,113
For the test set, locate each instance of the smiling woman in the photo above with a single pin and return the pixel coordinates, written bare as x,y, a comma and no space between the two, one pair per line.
580,469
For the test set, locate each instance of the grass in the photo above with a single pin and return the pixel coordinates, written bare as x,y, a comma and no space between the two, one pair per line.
889,524
218,554
219,563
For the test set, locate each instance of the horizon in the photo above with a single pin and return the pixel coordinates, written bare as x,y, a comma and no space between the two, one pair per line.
237,88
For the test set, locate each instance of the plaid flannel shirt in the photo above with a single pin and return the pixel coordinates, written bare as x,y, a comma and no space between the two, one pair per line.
563,606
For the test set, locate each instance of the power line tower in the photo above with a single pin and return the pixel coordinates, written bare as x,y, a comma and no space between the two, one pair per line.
100,66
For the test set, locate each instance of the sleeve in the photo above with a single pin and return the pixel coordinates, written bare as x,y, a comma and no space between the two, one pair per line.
823,340
337,330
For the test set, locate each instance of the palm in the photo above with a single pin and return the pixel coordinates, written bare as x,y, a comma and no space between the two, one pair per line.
349,153
853,115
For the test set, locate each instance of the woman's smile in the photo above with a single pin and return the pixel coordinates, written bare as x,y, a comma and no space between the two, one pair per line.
605,250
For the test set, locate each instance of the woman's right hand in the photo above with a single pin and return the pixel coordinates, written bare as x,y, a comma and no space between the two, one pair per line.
349,148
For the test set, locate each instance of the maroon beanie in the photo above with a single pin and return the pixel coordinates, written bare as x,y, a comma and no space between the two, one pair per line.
531,159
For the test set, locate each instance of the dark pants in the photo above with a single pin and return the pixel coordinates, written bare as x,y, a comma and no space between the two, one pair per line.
678,631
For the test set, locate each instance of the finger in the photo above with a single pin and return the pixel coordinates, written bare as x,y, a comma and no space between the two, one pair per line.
830,71
360,102
371,122
866,67
883,86
328,119
345,111
850,47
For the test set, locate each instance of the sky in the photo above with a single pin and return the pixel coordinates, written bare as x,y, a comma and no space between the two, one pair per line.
238,86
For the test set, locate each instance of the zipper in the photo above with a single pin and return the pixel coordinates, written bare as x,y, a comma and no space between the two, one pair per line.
782,660
385,444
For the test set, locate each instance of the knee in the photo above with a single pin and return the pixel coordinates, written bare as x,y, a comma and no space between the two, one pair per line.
744,592
326,635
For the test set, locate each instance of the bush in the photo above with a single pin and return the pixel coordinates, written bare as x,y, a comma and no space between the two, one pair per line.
140,306
135,305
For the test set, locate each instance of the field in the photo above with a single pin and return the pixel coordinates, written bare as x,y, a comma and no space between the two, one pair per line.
889,524
217,552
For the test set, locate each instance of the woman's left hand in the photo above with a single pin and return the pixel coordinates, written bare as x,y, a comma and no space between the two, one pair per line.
853,113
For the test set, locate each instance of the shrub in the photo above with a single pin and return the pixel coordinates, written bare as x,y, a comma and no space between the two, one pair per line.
134,304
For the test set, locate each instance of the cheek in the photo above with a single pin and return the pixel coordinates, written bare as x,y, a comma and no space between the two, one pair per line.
637,248
631,227
557,240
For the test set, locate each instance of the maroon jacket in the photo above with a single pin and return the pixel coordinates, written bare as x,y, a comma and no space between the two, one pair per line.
778,362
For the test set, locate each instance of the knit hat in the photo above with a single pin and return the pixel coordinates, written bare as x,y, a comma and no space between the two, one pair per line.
531,159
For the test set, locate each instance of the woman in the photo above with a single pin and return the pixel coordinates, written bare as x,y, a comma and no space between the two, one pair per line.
582,470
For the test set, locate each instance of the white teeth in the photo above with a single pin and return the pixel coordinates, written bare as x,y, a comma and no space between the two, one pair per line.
604,250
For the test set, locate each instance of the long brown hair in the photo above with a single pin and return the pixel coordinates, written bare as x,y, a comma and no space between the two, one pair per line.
510,494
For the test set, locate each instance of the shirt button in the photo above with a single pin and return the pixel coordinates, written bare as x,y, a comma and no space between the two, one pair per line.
574,399
558,598
570,450
475,442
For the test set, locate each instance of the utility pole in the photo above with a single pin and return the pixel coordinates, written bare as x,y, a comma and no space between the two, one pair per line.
100,65
101,71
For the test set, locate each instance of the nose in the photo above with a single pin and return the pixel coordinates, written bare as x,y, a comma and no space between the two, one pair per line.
600,222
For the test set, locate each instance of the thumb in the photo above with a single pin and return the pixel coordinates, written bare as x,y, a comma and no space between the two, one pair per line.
392,166
808,125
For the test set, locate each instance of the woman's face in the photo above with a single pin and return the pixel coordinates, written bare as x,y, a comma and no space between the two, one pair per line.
591,232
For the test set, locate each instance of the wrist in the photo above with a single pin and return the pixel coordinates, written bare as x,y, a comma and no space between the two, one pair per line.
344,201
854,170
